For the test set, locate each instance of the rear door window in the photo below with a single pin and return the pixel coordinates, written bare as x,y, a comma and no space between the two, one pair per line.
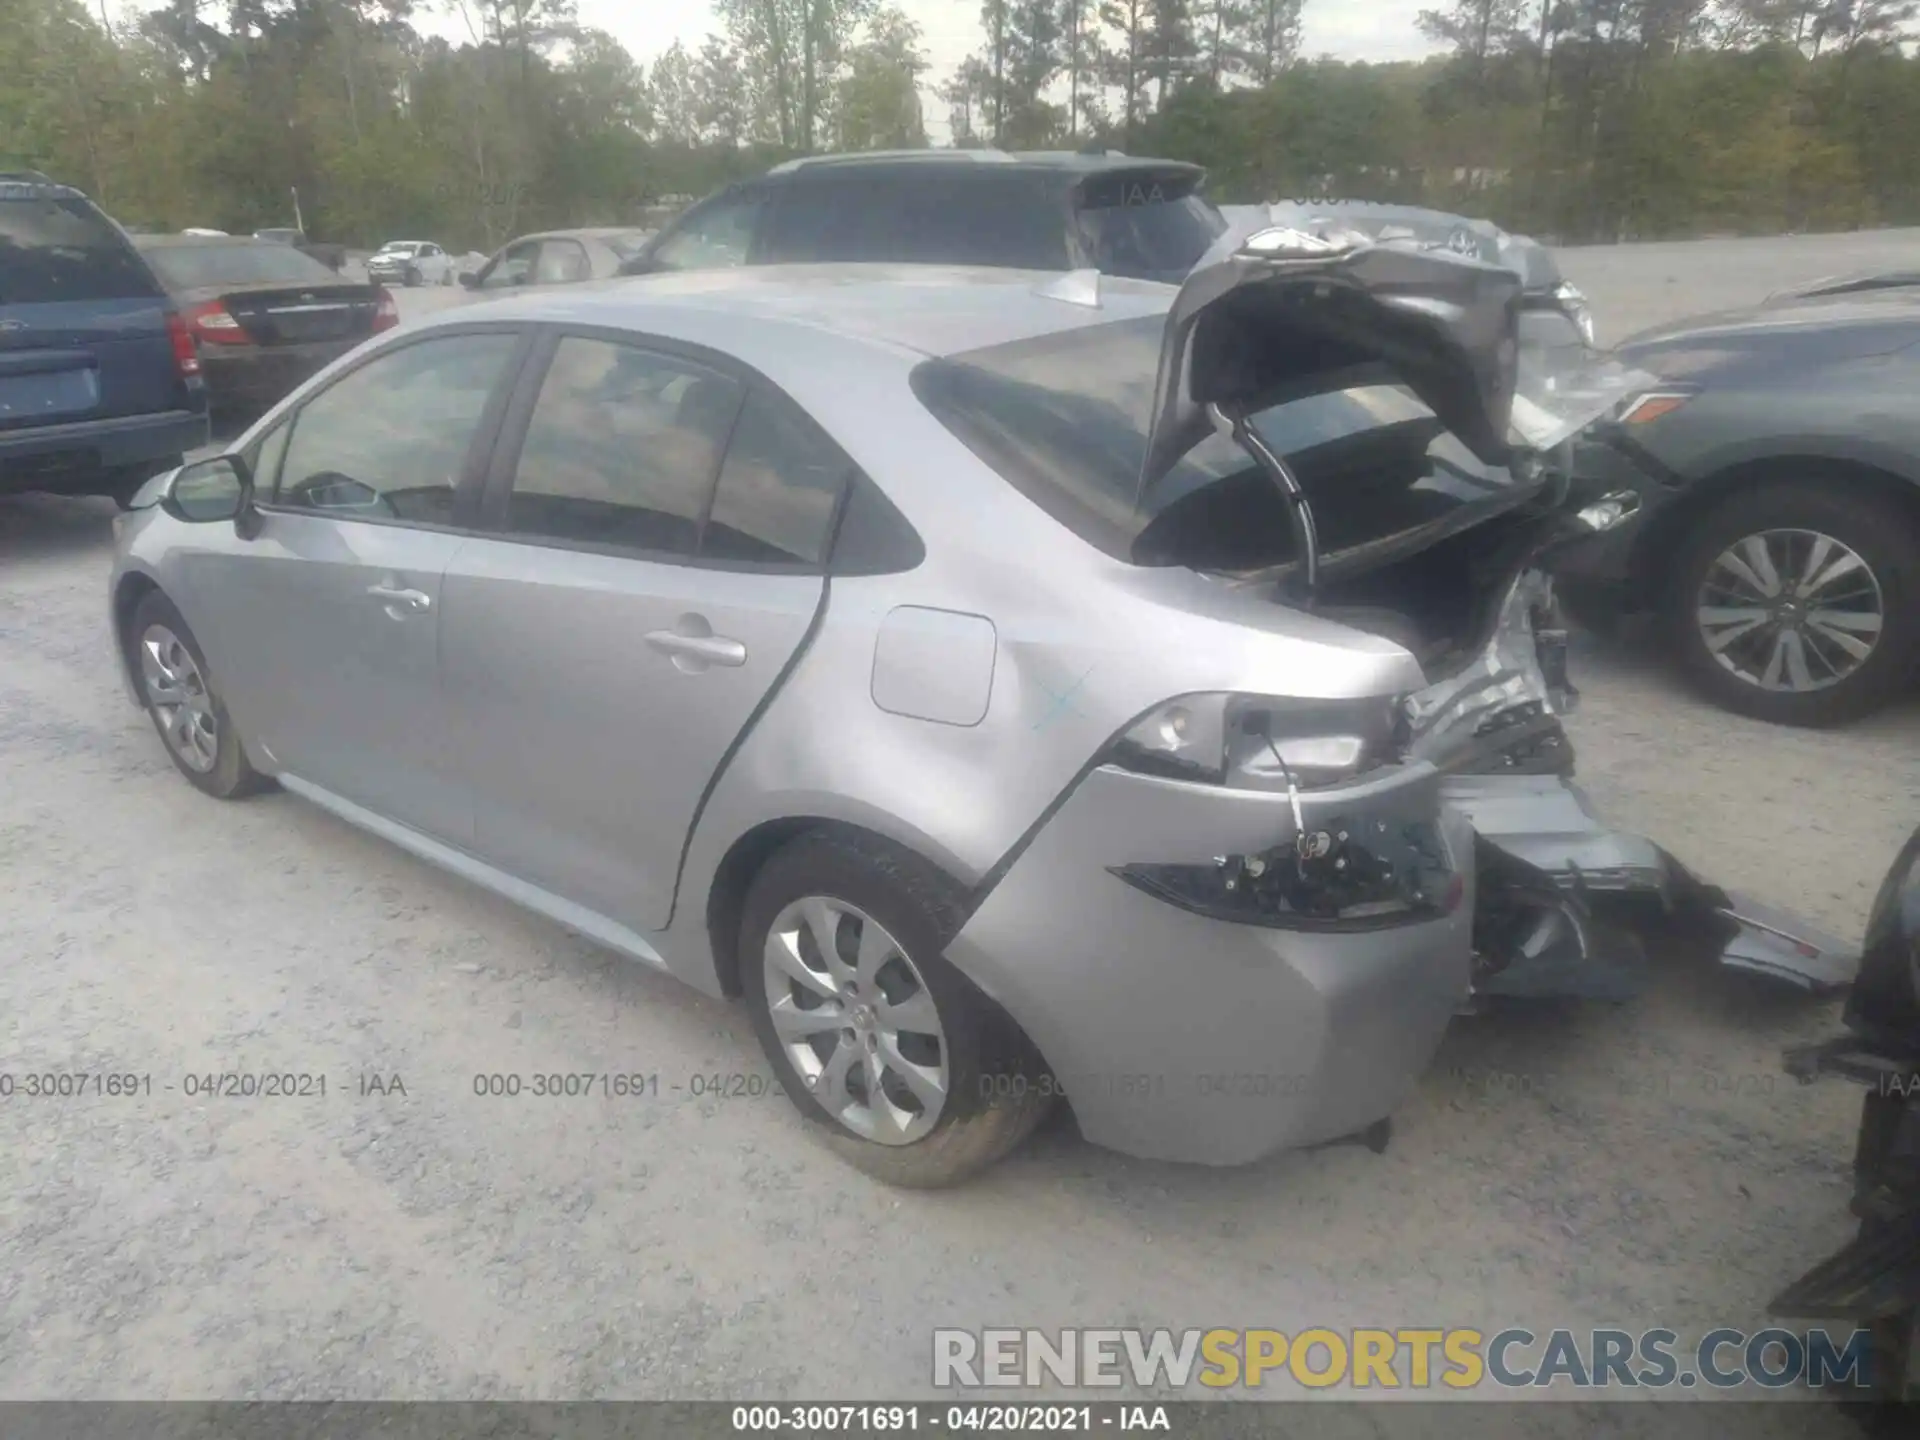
561,262
1146,226
57,247
941,214
622,449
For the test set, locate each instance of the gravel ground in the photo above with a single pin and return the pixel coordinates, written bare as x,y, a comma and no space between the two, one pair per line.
1636,1167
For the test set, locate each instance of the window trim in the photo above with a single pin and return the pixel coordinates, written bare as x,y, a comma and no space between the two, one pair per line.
519,415
473,469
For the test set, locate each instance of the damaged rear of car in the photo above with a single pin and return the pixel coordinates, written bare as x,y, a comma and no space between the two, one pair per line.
1354,430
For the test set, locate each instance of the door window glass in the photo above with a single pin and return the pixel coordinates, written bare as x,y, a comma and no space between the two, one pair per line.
562,262
514,267
778,488
622,448
390,440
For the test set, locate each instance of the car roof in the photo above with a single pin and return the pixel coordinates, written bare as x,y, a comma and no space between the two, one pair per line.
582,232
1074,163
914,310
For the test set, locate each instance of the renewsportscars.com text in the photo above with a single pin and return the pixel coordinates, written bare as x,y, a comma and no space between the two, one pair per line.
1401,1358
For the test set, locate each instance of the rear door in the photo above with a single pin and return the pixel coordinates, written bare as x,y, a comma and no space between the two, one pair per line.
640,600
83,322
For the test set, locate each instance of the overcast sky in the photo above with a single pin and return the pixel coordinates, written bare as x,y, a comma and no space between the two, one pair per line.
1346,29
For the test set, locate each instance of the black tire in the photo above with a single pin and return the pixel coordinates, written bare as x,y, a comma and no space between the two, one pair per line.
231,775
412,278
996,1085
1878,530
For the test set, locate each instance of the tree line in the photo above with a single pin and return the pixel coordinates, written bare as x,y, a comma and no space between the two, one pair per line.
1572,119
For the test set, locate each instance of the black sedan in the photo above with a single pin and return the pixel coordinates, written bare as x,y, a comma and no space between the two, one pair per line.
1774,480
263,316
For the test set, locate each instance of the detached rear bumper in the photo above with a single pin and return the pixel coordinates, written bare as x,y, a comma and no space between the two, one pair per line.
1176,1036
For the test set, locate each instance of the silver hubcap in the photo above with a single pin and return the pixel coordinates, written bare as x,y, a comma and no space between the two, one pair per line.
856,1020
1791,610
181,702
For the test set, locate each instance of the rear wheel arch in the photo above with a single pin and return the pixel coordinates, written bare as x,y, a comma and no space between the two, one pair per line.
752,851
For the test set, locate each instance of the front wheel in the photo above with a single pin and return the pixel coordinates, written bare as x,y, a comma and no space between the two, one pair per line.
900,1064
411,279
1799,602
185,707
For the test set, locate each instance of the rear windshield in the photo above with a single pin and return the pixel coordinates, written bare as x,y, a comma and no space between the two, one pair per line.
1144,227
55,247
938,215
1064,419
190,267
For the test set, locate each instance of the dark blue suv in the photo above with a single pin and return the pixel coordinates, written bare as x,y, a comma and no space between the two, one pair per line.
100,381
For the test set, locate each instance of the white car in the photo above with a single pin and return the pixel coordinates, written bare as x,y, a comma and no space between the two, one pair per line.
412,262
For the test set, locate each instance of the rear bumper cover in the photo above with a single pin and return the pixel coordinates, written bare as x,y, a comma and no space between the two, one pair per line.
33,457
1175,1036
262,374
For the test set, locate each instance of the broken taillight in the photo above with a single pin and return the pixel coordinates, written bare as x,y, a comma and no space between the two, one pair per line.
1349,873
1262,742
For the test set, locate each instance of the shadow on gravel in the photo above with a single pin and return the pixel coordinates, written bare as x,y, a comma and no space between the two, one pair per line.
47,527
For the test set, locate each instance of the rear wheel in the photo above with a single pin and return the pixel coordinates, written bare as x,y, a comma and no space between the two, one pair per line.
186,709
1799,603
899,1063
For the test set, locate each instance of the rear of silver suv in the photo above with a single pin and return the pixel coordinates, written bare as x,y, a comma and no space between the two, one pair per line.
100,383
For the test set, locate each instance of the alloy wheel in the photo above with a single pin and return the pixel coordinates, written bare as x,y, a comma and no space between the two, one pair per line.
856,1020
1790,610
181,701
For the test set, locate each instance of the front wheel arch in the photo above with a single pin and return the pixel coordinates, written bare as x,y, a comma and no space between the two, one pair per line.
134,587
1656,550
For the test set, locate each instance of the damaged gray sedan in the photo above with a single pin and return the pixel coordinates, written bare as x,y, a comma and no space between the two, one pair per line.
1009,686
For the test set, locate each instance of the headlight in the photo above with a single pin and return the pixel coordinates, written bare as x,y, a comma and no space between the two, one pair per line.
1261,742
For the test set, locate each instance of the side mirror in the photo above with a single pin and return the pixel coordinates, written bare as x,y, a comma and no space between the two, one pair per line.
470,279
209,490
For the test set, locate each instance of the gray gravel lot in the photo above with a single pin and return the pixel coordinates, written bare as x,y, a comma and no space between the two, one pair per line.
1636,1167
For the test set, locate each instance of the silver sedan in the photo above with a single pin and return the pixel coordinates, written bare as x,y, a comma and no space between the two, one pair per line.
1011,686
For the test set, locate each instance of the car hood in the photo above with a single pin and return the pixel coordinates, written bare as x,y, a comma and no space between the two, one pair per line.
1268,312
1790,331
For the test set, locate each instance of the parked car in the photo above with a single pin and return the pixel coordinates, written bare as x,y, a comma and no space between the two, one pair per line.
1554,312
1037,210
911,652
557,257
264,316
1874,1282
100,386
412,262
1773,479
334,257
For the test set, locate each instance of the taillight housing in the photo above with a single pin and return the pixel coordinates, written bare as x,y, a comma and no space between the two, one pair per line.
1264,742
211,324
386,314
186,355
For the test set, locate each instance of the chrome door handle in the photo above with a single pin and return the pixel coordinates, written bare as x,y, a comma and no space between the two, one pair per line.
394,595
708,649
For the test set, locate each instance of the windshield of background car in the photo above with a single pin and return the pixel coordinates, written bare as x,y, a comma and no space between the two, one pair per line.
1064,419
58,247
192,267
1146,226
932,213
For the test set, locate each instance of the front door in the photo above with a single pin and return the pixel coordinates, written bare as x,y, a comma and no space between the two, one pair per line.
602,655
332,612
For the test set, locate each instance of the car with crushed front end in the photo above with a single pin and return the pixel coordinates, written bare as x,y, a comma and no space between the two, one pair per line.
1009,684
1769,486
